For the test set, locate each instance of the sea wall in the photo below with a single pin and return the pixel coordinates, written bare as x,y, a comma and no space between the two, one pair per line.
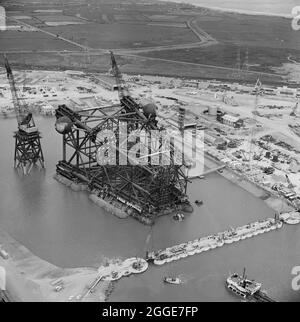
271,199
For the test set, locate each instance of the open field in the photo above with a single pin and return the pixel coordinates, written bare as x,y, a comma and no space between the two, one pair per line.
169,18
168,24
269,41
273,32
132,65
33,21
262,59
63,23
15,40
123,36
57,18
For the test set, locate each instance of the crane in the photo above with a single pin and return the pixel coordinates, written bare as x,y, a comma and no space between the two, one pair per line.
24,118
146,113
258,92
28,150
122,88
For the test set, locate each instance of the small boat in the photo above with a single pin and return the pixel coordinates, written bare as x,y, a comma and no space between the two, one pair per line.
242,286
172,280
178,217
199,202
150,256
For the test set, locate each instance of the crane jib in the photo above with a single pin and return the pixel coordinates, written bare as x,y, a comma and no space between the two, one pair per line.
24,118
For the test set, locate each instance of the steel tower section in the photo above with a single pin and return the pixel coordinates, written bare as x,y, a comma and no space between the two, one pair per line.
28,150
143,190
118,167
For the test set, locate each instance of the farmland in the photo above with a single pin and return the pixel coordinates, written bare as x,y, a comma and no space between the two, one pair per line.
158,32
261,59
124,35
268,40
24,40
132,65
260,31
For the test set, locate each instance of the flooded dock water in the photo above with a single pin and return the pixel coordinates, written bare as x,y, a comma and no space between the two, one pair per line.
65,228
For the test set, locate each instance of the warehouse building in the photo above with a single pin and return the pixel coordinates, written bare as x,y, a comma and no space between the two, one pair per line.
230,120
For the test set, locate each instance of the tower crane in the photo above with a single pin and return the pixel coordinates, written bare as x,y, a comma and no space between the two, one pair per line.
258,92
24,118
28,150
146,113
122,88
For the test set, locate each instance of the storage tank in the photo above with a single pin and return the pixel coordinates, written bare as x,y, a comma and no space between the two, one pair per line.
149,108
63,125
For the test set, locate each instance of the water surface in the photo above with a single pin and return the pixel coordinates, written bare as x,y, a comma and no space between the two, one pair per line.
65,228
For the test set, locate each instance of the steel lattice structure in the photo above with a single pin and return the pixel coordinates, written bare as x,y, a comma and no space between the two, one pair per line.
147,189
28,150
142,187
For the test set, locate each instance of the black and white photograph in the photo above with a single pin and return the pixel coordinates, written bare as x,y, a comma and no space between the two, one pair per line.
149,153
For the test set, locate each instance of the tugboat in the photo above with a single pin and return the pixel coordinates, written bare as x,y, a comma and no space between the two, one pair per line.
172,280
199,202
242,286
178,217
150,256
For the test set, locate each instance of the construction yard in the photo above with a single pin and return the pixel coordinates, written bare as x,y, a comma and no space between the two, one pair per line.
264,149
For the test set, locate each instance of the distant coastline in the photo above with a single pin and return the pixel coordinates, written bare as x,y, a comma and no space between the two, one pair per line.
247,12
238,11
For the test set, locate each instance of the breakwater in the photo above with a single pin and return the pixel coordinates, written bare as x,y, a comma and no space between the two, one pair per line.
204,244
